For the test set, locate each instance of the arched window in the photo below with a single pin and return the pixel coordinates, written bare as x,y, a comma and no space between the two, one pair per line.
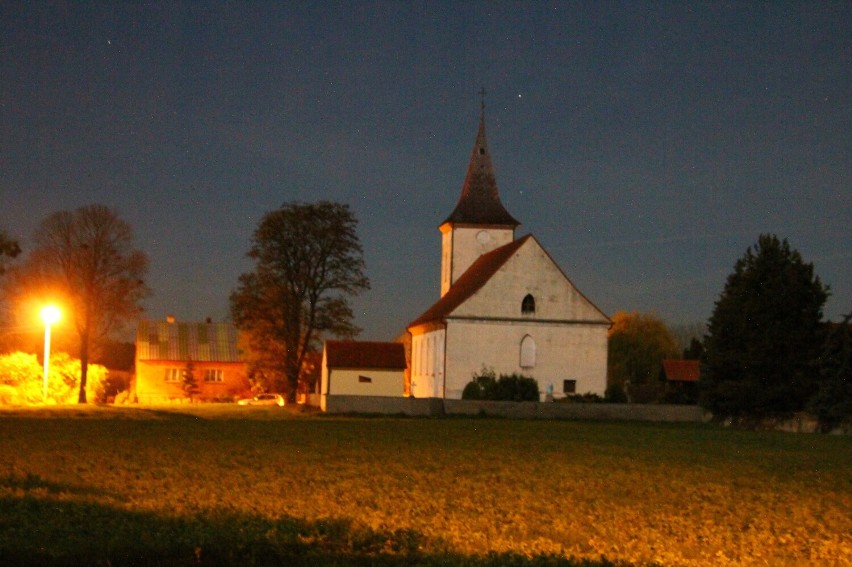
527,352
528,305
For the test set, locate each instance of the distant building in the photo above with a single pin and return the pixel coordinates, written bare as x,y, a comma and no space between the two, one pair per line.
505,304
681,380
164,350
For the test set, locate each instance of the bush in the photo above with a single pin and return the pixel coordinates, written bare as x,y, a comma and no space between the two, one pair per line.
615,394
512,387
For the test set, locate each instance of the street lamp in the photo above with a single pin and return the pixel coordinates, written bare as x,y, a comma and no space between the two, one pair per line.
49,314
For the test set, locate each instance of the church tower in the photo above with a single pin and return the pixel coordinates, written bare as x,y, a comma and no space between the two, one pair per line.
479,223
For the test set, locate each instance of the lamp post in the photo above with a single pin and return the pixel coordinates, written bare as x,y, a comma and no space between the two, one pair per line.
50,315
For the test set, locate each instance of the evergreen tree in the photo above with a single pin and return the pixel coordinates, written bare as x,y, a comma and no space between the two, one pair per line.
763,336
188,380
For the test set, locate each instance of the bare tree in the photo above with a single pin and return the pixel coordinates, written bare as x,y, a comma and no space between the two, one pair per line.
8,249
87,256
308,262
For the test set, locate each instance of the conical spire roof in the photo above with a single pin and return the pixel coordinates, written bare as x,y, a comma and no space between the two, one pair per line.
479,202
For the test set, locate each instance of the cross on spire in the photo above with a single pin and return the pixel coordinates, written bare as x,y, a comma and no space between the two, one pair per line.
482,97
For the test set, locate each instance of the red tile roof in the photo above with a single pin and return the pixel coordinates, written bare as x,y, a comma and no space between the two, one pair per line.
682,370
357,354
470,282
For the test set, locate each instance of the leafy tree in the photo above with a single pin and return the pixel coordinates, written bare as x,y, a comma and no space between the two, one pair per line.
763,336
189,383
22,374
638,343
308,262
87,257
832,403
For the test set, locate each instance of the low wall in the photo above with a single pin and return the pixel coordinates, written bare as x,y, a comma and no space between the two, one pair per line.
568,410
421,407
516,410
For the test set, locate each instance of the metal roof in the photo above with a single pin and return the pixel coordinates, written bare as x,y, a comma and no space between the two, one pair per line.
183,341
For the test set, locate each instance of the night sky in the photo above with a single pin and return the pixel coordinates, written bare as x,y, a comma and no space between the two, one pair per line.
646,146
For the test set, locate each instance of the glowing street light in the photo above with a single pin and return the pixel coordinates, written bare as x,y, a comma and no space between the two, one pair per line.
49,314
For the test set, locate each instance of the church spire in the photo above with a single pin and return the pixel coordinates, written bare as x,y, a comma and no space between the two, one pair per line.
479,202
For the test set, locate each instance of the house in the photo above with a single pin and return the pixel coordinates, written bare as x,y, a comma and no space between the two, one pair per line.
165,349
505,304
351,368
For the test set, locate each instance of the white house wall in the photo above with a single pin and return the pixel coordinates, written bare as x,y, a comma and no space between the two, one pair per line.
364,382
563,352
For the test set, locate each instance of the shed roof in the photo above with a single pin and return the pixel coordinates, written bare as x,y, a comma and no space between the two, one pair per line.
358,354
682,370
184,341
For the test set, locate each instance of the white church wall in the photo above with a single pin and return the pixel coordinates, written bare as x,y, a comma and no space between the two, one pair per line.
427,364
562,352
531,270
468,244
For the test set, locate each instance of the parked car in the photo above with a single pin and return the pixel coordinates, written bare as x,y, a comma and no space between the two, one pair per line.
264,400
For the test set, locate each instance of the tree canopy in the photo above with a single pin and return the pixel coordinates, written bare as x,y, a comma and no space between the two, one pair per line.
85,259
638,343
764,335
308,263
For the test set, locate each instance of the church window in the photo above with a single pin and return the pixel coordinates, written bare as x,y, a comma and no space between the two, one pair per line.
528,305
569,386
481,151
527,352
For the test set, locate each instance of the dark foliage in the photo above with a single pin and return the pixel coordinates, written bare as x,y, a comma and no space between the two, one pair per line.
512,387
763,336
832,404
615,394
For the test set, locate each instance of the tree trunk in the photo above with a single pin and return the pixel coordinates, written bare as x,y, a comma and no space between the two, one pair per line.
84,365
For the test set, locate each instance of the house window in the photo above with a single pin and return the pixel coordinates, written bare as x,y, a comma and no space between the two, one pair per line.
365,380
569,386
213,375
527,352
528,305
172,374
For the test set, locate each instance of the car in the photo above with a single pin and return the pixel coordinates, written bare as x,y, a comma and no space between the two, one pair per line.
264,400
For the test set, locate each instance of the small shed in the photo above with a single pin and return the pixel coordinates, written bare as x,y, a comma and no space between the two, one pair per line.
681,379
354,368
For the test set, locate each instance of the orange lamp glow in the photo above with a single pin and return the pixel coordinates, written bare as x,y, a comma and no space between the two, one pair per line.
50,314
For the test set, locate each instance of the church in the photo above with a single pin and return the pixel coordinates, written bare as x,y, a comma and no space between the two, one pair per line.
505,304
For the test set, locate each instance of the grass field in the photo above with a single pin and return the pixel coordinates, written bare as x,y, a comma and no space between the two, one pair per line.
226,485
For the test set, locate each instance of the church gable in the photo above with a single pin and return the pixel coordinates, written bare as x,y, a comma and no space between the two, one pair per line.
529,285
